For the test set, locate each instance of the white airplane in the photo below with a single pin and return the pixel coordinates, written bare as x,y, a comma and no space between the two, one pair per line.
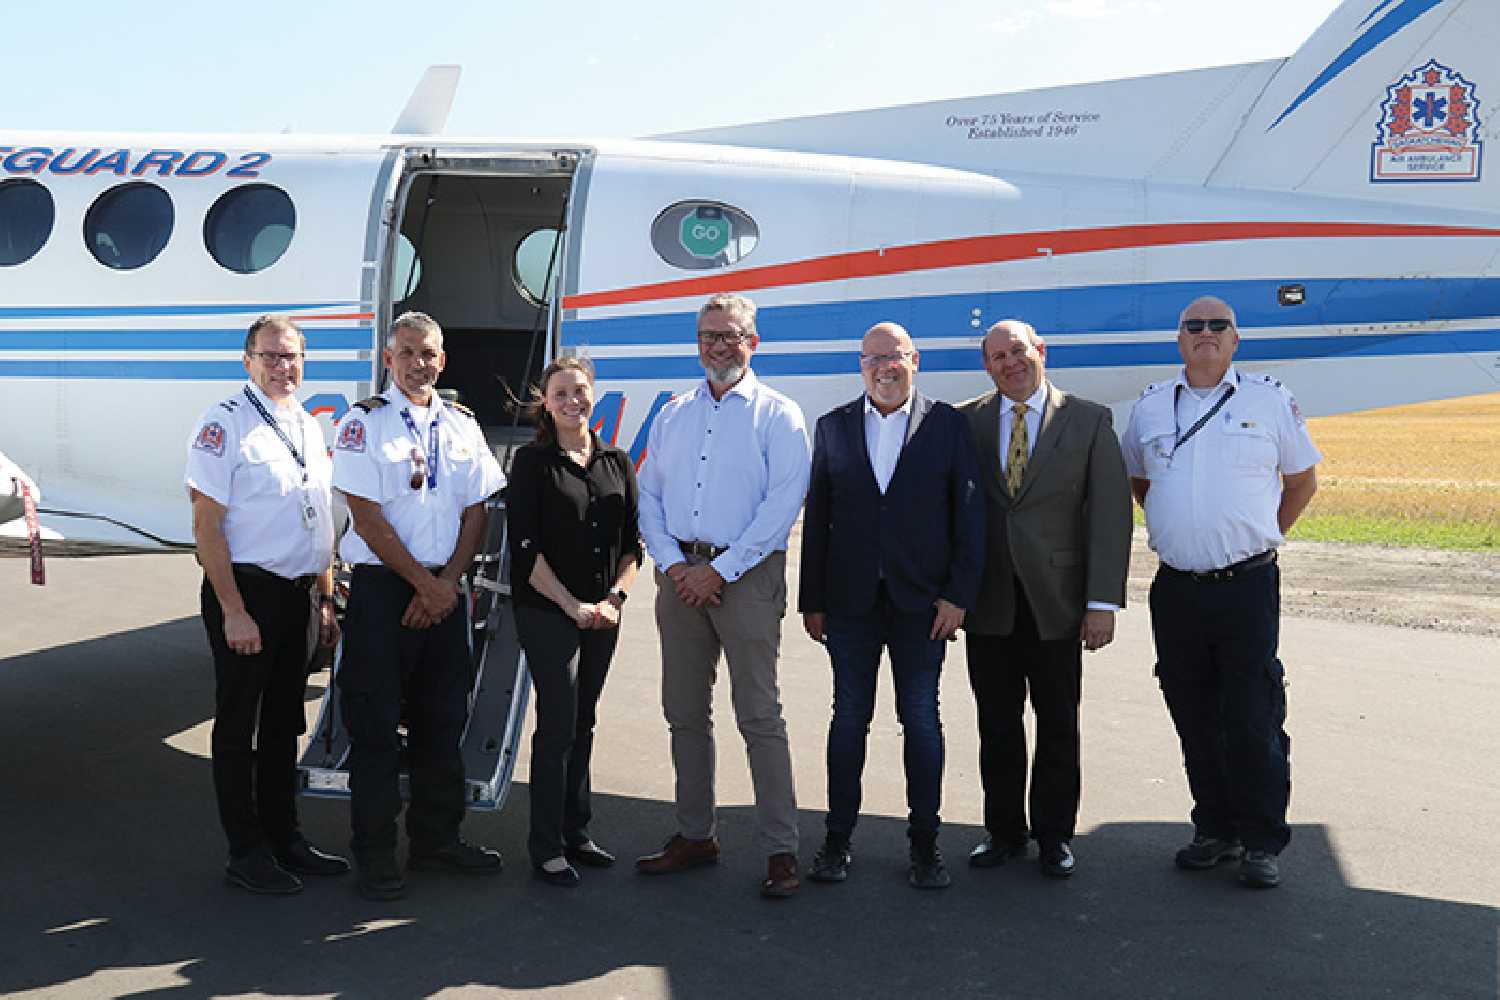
1338,199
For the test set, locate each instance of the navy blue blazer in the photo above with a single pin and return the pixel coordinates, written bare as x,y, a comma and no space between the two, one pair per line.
926,534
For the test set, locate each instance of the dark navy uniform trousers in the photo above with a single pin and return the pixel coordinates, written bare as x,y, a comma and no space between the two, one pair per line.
385,667
1216,643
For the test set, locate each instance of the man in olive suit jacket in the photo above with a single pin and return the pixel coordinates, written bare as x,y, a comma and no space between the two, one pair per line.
1057,504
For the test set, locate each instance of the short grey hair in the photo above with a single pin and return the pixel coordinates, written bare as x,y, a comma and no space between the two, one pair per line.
418,321
1208,300
1026,329
740,309
272,321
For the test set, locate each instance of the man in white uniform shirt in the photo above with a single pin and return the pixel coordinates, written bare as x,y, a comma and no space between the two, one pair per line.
258,476
1223,465
723,482
416,473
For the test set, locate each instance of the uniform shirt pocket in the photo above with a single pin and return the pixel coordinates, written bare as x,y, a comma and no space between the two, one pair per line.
1250,446
1157,455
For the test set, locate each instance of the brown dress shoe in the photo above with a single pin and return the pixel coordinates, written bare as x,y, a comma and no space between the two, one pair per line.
679,855
781,877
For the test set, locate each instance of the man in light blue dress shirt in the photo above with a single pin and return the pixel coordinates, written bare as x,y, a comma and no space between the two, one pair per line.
724,479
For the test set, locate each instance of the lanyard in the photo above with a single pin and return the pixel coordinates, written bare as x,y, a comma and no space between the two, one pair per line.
266,416
1181,438
431,455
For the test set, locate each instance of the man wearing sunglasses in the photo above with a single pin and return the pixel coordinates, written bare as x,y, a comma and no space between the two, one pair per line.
891,550
723,482
1223,465
258,476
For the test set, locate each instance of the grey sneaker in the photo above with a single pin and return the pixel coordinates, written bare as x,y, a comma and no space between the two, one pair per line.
1259,870
927,869
831,863
1205,852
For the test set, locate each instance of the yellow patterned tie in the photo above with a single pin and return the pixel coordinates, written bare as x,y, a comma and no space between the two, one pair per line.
1015,460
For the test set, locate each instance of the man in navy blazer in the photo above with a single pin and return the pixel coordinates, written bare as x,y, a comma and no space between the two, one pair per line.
892,552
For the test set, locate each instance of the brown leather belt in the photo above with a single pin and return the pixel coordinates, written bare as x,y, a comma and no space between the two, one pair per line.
702,550
1228,572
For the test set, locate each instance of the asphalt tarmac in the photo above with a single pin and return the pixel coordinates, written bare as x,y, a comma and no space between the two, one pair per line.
111,853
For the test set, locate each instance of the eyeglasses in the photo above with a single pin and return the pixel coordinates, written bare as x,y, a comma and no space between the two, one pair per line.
1213,325
274,358
877,360
709,338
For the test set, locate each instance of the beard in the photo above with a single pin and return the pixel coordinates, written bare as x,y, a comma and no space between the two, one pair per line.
727,375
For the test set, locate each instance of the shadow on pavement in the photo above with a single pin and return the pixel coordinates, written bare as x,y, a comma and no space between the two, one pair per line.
112,849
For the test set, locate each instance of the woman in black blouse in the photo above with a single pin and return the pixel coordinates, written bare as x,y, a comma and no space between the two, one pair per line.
574,551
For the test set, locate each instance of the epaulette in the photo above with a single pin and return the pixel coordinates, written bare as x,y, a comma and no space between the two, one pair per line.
1269,380
371,404
231,404
461,408
1153,388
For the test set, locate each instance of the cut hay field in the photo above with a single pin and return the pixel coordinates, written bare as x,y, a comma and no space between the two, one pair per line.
1422,475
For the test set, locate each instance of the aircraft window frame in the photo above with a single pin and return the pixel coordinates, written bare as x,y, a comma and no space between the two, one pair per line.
9,215
527,292
670,242
160,236
233,200
406,269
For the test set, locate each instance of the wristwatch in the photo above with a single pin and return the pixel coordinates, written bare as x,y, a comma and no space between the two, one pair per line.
619,595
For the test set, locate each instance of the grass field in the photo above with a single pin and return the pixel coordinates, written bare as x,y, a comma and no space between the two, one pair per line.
1423,475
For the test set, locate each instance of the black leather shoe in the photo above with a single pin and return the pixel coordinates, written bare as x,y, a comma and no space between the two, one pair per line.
1258,870
259,872
1205,852
927,869
831,863
990,853
380,879
459,856
1057,860
303,858
564,878
590,855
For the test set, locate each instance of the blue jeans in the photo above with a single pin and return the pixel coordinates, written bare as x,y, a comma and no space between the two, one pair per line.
854,646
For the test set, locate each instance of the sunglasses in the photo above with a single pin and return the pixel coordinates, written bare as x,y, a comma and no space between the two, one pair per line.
1213,325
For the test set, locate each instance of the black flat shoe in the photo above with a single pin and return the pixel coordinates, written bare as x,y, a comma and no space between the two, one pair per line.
303,858
590,855
1057,860
564,878
992,853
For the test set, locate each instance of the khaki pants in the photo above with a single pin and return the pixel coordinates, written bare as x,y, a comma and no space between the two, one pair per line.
746,627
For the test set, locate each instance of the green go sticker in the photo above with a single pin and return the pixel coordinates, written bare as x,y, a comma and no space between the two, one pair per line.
704,232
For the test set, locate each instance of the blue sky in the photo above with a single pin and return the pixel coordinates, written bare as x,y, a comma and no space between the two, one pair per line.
590,68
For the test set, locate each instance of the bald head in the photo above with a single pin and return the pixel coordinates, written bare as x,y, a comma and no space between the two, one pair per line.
888,363
1207,307
1207,352
1015,357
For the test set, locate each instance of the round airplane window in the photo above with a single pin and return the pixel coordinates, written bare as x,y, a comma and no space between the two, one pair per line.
406,270
127,226
249,227
702,235
535,267
26,217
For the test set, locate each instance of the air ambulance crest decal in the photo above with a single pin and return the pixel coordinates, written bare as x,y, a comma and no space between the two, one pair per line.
1428,129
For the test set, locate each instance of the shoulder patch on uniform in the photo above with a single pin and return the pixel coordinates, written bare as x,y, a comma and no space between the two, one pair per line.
372,403
461,408
211,439
351,435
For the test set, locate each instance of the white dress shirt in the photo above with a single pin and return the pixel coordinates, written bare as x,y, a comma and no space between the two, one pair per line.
731,472
1035,404
884,437
236,459
374,459
1213,502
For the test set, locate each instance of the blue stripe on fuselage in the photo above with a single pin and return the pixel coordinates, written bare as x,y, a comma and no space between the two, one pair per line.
324,338
83,312
172,371
1070,311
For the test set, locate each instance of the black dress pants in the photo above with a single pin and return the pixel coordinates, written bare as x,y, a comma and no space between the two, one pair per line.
568,666
1002,669
384,667
1216,643
255,766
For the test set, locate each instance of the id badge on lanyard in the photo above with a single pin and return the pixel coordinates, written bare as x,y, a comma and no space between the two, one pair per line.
306,500
308,506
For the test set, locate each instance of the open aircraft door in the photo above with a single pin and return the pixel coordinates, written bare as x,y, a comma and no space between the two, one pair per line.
476,238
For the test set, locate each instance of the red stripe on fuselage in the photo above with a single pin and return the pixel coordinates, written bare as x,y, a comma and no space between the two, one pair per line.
998,249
